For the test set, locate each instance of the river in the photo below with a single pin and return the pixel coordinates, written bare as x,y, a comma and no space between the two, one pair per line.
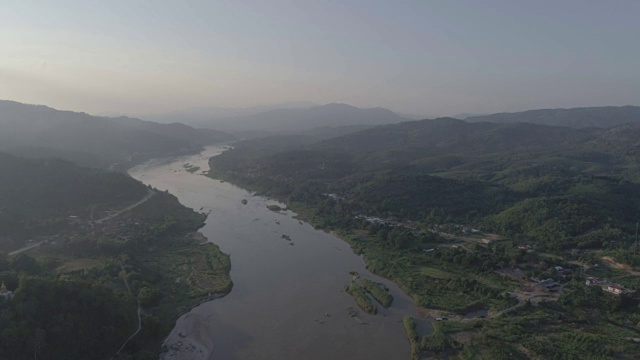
288,299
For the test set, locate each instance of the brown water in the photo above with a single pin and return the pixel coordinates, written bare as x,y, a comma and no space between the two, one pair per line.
288,300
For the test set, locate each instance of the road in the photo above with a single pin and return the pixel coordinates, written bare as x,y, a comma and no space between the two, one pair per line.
126,283
115,214
25,248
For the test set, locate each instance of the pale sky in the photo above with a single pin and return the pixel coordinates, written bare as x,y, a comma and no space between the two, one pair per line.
425,57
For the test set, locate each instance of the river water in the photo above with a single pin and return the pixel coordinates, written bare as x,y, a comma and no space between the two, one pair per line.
287,300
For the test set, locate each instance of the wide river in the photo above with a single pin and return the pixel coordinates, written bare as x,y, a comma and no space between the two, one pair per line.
288,299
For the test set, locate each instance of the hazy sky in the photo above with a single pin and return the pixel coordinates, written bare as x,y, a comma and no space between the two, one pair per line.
426,57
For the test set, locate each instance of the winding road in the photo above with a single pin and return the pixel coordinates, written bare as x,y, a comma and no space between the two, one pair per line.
149,195
126,283
117,213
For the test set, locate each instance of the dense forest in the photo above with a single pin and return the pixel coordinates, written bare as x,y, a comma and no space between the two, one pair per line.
602,117
37,196
554,186
77,292
102,142
469,217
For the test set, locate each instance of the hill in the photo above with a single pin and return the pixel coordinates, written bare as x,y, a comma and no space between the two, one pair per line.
298,120
96,245
445,208
32,130
482,173
37,196
201,115
602,117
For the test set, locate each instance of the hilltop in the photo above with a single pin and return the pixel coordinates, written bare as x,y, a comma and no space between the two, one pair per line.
299,120
484,173
602,117
41,131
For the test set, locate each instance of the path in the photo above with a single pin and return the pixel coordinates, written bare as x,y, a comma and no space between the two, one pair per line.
25,248
126,283
146,198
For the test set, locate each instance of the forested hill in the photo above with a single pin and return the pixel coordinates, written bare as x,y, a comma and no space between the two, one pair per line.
553,185
35,130
37,196
90,256
298,120
602,117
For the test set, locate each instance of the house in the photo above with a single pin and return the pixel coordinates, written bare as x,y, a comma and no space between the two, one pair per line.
615,289
548,285
4,293
592,281
565,273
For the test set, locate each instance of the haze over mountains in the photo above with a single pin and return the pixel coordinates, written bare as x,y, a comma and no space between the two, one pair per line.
36,130
194,116
40,131
297,120
498,175
602,117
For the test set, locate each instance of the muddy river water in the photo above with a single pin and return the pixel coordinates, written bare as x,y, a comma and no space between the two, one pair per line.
288,299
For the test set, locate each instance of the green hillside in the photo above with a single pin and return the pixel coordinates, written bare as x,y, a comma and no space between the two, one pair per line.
40,131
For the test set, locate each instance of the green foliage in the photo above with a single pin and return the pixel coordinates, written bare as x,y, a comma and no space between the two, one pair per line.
149,297
63,320
38,196
412,336
361,298
378,292
555,188
438,340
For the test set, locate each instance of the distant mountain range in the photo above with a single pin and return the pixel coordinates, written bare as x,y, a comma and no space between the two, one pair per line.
38,195
299,120
199,115
602,117
37,131
517,179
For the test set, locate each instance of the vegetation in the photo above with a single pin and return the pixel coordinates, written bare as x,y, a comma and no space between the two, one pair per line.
361,298
191,168
37,197
466,216
412,336
77,293
604,117
93,141
378,292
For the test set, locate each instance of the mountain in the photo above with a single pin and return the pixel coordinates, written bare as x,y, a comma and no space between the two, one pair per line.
38,195
518,178
602,117
298,120
32,130
201,115
464,116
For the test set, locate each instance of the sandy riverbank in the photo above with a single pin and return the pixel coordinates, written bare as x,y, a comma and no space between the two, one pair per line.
191,339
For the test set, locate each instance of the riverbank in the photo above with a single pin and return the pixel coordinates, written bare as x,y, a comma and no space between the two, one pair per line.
173,265
279,305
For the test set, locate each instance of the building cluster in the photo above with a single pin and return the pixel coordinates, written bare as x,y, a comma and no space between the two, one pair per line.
608,286
563,273
4,293
547,285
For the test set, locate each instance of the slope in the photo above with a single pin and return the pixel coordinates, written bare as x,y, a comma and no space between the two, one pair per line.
602,117
28,128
